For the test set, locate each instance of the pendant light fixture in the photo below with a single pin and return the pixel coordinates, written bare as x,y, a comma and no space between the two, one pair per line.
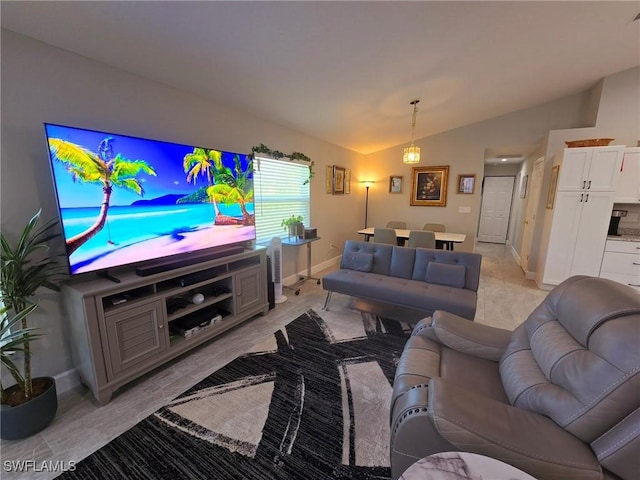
412,153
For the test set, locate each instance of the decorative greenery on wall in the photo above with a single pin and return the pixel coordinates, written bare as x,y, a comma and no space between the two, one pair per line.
262,148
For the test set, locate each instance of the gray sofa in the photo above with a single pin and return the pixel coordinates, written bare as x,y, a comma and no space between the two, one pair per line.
558,398
419,278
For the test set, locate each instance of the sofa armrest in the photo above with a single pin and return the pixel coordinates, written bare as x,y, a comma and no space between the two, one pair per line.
526,440
472,338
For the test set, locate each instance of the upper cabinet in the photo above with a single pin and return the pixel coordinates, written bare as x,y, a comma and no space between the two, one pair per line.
628,190
592,169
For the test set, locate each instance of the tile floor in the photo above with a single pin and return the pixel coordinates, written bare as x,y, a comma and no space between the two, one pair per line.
505,299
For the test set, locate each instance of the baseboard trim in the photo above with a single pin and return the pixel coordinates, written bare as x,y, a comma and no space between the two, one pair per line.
291,279
66,381
515,254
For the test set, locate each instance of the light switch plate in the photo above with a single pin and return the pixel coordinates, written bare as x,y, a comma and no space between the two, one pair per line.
464,209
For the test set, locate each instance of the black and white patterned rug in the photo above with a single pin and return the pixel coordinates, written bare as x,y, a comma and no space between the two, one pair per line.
310,403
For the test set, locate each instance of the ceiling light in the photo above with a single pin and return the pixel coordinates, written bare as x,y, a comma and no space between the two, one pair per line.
505,159
412,153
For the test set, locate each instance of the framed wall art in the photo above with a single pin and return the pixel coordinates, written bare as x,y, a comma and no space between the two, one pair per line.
329,180
429,186
466,183
395,184
347,181
338,180
553,184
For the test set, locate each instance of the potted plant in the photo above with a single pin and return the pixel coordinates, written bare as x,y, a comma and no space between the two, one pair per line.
31,403
294,225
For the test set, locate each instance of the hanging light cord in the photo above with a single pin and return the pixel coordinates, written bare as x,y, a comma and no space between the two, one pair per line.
413,122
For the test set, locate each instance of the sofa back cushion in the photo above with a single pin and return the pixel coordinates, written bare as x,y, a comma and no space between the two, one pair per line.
576,358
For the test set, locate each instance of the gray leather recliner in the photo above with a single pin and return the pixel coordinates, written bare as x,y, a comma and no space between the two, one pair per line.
558,398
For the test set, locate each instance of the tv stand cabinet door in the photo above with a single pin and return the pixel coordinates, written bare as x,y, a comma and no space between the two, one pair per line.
249,288
135,335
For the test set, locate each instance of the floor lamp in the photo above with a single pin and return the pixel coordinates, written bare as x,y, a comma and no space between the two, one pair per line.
366,202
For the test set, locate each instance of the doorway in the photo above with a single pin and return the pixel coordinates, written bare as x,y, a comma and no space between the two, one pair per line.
497,195
531,212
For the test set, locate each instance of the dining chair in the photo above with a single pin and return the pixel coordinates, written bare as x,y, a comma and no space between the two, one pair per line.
437,227
385,235
401,225
393,224
422,239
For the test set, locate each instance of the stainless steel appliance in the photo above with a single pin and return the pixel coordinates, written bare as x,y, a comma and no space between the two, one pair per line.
616,215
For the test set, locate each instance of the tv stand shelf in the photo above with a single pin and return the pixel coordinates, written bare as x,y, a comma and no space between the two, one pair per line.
120,331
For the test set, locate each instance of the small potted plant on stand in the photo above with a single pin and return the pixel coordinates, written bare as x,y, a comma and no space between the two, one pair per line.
30,404
294,225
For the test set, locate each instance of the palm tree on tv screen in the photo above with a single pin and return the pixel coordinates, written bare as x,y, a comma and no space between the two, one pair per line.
98,167
233,186
201,163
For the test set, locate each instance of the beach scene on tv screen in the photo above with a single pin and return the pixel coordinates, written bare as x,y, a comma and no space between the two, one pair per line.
124,200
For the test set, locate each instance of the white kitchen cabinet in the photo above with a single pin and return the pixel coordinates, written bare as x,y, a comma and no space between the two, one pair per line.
621,263
590,168
628,189
581,212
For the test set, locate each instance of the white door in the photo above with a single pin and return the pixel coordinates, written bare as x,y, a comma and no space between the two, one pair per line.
496,205
535,185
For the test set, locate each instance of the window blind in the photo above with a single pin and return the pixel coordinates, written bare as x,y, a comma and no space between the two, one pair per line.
279,192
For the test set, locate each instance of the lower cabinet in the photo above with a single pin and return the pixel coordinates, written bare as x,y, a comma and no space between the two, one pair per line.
621,263
135,335
120,331
578,235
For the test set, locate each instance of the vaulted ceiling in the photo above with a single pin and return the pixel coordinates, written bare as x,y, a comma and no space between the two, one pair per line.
345,72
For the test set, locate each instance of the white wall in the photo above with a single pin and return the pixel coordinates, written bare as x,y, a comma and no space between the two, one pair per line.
41,84
618,117
463,149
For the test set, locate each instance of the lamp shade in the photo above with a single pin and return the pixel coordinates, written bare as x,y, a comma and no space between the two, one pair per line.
411,154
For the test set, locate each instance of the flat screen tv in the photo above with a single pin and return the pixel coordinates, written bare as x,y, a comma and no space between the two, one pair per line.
124,200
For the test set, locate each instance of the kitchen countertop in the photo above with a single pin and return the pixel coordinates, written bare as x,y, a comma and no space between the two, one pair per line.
624,238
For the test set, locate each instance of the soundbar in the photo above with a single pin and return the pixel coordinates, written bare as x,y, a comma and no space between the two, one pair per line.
166,265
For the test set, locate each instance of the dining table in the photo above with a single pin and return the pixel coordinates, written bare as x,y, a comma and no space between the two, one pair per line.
447,238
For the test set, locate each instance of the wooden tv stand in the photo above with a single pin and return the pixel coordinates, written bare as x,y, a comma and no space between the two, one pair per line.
120,331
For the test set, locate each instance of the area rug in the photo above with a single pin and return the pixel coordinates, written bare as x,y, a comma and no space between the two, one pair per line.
310,403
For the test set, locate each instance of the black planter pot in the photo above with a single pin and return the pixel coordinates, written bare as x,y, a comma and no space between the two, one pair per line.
29,418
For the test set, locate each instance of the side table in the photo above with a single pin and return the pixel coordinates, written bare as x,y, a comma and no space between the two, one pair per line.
298,242
462,466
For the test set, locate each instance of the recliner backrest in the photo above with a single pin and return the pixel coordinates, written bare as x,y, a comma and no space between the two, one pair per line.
576,359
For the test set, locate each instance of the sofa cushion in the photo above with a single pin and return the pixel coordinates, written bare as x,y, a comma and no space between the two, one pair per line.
358,261
446,274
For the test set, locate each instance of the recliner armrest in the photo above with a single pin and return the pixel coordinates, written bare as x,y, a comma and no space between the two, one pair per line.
467,337
526,440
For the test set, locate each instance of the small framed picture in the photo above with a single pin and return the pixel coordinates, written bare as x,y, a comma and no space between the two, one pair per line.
466,183
329,181
347,181
338,180
395,184
429,186
553,184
